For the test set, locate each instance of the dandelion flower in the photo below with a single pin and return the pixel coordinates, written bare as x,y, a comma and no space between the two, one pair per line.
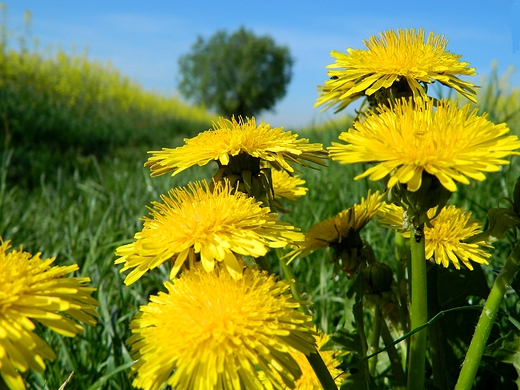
335,231
309,380
287,186
194,223
211,331
31,289
229,138
404,57
444,241
407,140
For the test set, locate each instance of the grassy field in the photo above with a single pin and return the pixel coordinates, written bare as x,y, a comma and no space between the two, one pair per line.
78,201
51,101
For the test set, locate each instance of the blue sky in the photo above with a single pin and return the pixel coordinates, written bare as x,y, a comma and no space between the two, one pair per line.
144,39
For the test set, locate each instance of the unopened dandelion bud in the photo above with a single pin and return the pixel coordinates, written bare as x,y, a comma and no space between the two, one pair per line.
380,277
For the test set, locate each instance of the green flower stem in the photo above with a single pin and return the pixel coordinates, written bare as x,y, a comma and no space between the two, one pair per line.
418,311
395,360
315,359
486,320
321,371
374,341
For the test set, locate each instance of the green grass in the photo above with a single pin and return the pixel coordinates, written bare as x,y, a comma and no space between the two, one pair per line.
68,101
51,101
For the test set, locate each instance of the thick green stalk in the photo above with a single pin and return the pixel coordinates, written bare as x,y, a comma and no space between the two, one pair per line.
486,320
418,311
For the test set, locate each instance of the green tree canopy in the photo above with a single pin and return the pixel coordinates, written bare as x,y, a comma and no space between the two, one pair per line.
239,74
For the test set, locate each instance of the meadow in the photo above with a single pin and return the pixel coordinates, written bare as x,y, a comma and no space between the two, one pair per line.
75,136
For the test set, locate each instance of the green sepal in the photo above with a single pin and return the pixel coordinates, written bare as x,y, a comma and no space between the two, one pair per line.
417,203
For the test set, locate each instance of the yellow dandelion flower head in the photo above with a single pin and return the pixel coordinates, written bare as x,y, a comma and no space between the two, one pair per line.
406,55
229,138
407,140
444,241
211,331
336,229
308,380
31,289
195,223
287,186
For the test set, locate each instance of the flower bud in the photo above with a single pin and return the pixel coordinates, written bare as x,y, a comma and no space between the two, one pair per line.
379,277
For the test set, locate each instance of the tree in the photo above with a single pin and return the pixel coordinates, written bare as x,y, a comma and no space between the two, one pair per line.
239,74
